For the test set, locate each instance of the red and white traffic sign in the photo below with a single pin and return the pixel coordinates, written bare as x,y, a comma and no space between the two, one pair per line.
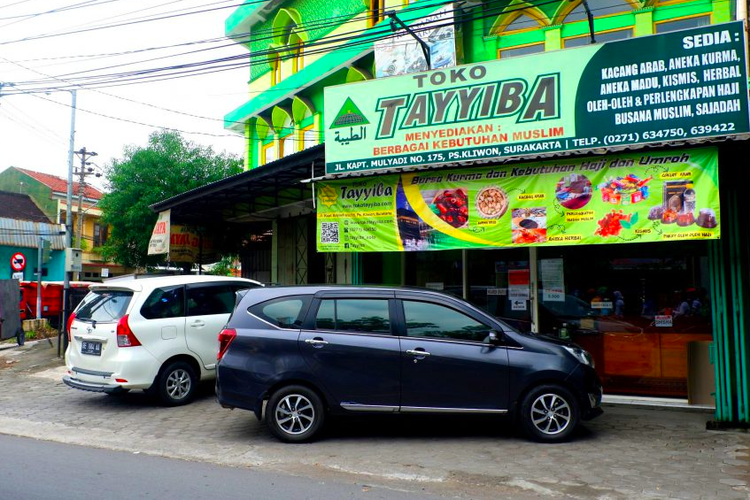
18,262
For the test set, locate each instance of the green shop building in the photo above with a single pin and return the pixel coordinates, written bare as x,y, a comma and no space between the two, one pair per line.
576,170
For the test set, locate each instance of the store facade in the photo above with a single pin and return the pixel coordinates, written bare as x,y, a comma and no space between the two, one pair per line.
620,238
640,260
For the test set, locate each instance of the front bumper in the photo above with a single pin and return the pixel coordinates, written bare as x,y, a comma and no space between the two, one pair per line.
91,387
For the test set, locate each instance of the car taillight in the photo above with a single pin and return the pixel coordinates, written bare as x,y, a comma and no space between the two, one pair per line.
125,336
226,336
70,323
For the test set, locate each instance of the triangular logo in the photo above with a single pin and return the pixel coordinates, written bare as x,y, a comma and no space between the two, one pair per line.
349,115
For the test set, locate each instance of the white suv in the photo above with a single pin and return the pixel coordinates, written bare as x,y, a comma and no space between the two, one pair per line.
155,333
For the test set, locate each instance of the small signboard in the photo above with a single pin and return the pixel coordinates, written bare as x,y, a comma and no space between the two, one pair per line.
663,321
18,262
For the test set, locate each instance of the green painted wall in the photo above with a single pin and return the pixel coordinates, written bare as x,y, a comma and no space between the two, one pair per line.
316,17
10,180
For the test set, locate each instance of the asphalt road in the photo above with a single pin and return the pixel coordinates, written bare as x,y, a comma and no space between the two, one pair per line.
34,469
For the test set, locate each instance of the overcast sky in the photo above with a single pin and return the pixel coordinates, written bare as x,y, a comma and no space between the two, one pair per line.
35,128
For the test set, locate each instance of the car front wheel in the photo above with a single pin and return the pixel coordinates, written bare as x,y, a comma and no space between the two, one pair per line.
176,384
294,414
549,413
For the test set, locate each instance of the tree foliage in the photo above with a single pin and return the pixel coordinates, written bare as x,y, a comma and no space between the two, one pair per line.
167,166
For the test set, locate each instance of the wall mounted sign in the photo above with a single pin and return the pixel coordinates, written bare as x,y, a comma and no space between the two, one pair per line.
626,198
18,262
653,89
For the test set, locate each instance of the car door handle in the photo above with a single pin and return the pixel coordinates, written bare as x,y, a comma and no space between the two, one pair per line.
316,342
417,352
198,324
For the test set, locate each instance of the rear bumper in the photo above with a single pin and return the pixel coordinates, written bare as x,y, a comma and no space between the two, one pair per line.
90,386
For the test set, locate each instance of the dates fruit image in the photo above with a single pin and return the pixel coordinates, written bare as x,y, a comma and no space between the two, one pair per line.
451,205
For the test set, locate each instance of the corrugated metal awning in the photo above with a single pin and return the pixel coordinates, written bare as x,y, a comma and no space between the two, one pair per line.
22,233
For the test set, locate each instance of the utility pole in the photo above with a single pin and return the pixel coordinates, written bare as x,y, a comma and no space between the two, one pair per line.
83,171
62,337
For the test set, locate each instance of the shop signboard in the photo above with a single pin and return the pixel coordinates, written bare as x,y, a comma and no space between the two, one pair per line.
688,84
620,198
186,245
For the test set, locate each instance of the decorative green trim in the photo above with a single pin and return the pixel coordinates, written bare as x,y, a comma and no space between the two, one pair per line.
302,107
319,69
310,120
674,11
242,19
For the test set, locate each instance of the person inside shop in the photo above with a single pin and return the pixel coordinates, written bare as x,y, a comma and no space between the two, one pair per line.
683,309
619,304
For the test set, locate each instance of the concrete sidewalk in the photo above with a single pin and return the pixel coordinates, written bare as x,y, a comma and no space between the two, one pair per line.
626,453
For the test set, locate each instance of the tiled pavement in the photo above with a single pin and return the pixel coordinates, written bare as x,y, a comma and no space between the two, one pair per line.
627,453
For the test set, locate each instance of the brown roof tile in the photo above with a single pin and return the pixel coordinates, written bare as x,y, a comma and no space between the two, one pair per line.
20,207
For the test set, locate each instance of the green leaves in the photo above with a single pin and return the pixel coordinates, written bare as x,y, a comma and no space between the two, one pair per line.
167,166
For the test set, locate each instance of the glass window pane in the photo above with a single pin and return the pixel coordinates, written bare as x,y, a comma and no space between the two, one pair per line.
288,145
326,317
104,306
286,312
207,300
362,315
164,303
522,22
522,51
431,320
683,24
309,138
599,8
610,36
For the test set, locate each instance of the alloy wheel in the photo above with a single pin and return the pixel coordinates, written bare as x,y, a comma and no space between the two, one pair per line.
550,414
178,384
294,414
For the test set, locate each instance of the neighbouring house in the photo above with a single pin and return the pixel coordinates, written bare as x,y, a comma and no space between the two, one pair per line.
22,224
49,193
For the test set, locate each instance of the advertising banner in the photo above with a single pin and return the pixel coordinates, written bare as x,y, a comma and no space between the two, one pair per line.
186,245
159,242
653,89
401,55
623,198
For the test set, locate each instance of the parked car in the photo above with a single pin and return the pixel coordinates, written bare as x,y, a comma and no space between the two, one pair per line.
307,352
154,333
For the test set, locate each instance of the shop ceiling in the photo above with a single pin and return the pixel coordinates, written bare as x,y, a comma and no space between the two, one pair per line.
264,193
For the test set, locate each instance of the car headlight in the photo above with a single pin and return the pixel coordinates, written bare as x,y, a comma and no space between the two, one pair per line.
581,355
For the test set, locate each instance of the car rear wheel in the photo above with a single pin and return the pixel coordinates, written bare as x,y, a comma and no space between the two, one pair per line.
549,413
294,414
176,384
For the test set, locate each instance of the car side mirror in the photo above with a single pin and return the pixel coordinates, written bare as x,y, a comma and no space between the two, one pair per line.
495,338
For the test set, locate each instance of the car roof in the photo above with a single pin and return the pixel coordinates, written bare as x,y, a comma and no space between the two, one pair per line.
137,283
285,290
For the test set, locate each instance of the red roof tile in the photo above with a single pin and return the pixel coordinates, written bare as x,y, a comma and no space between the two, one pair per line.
60,185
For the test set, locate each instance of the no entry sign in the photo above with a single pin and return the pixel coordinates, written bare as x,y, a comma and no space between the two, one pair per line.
18,262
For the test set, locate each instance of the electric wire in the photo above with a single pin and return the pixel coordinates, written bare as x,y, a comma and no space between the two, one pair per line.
217,68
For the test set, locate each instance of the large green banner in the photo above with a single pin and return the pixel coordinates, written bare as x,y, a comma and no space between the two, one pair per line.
626,198
654,89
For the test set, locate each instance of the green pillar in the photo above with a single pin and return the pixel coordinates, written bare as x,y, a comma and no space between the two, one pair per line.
644,22
552,37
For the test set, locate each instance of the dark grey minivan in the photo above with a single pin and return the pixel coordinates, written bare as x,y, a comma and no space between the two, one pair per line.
310,351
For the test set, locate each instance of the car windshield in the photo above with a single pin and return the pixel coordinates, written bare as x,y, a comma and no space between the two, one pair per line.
106,306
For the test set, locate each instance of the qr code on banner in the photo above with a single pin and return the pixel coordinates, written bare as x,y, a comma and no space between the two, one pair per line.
329,232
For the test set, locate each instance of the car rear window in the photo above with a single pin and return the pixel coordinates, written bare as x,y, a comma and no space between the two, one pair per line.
104,306
284,312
